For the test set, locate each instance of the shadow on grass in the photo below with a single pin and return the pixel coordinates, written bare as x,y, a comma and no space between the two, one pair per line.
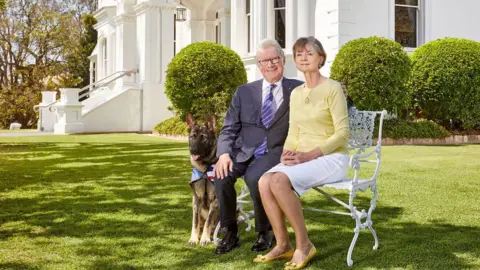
128,206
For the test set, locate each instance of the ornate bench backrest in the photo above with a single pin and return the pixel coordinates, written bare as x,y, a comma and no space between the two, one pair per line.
362,124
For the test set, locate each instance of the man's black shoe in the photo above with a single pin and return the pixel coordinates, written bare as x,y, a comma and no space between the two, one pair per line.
264,241
228,243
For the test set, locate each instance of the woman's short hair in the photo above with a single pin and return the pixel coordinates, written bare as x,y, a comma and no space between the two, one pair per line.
302,42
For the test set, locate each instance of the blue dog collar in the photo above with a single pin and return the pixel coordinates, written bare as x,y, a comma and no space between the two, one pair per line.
197,175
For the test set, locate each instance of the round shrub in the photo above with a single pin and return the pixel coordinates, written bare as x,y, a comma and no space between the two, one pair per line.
445,80
202,79
375,71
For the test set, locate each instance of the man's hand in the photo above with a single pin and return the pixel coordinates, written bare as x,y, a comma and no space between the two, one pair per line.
223,166
291,158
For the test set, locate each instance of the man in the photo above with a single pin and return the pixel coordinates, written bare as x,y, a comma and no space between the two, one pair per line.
251,142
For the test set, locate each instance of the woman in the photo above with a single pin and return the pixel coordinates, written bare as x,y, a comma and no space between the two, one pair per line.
315,153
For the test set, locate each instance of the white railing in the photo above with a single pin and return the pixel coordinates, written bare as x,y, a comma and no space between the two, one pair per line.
91,88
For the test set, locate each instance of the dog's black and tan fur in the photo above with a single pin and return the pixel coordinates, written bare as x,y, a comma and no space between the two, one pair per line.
202,142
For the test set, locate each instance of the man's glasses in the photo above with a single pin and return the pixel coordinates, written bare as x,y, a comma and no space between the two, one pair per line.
274,61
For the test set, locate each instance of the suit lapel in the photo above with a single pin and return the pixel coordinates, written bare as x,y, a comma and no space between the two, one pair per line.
286,89
257,100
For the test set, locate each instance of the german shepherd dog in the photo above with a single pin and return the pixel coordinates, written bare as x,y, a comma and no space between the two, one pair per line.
202,142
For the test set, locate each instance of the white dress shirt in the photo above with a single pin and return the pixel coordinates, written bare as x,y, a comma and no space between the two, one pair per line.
277,94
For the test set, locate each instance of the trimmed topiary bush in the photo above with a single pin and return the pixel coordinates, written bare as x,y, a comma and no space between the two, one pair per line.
202,79
375,71
446,80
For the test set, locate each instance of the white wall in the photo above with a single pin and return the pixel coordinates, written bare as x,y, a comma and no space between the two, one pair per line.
446,18
371,17
121,113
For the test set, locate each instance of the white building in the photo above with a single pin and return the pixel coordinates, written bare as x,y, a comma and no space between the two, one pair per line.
144,35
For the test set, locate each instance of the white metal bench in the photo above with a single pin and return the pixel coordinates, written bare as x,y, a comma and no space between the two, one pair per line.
362,125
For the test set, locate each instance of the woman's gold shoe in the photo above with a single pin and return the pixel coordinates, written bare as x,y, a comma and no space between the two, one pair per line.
311,254
285,256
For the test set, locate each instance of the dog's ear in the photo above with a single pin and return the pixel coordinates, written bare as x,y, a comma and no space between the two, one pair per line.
212,123
190,121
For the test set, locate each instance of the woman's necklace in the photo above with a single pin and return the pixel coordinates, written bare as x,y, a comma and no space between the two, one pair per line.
307,99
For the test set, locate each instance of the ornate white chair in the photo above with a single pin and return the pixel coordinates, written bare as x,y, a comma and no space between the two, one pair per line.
361,132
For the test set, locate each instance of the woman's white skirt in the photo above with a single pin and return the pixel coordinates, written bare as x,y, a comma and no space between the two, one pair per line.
323,170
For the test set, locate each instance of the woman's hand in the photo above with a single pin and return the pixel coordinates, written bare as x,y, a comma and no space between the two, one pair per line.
286,155
291,158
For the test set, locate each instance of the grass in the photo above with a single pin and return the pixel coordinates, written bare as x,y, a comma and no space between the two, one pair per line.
17,130
123,202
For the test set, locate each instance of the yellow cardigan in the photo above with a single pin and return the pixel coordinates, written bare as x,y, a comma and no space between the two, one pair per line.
318,118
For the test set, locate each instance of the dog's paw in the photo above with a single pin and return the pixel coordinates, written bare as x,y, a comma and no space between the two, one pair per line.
193,241
205,241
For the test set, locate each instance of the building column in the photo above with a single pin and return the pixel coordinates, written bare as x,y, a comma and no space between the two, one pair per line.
270,16
154,52
202,30
238,27
332,31
291,24
305,24
225,25
126,45
259,23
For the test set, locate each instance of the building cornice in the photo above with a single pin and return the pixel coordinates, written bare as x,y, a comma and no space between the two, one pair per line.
102,16
125,17
144,6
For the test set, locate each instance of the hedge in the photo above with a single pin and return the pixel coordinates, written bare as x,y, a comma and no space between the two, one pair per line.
176,126
392,128
420,129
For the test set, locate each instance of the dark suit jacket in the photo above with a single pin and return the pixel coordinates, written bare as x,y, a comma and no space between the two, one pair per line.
243,131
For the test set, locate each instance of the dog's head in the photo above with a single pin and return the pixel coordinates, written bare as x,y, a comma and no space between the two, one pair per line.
202,139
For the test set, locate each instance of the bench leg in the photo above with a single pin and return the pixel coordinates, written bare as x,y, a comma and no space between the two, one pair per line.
373,204
358,225
216,240
243,217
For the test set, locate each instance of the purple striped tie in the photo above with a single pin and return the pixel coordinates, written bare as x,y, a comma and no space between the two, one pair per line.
267,118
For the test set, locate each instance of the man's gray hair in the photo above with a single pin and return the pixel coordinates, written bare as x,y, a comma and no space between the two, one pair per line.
270,43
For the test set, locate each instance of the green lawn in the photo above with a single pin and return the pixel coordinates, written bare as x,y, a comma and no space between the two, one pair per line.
123,202
17,130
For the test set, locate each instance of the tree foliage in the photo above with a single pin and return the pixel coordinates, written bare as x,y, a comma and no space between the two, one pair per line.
375,71
37,39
